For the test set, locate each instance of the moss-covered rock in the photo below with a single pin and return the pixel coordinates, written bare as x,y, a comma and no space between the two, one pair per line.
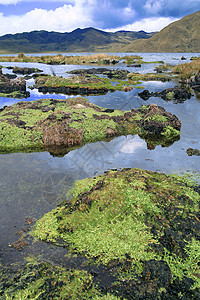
144,226
59,125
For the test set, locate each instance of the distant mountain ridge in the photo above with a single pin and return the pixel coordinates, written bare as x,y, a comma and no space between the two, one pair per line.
79,40
179,36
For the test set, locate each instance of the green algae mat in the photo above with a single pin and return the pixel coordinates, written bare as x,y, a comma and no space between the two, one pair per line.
59,125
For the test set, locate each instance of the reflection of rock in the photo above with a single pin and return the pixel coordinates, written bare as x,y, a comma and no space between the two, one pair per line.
134,65
191,152
179,94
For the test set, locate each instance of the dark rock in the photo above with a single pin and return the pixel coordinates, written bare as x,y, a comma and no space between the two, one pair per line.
183,58
152,125
145,95
15,88
89,71
191,152
72,90
1,109
37,75
10,76
178,94
108,110
25,71
134,66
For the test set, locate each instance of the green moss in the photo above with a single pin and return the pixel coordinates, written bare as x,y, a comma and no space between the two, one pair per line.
45,281
112,216
170,132
37,125
170,95
157,117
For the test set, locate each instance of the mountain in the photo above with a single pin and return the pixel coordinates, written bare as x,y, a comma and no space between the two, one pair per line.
179,36
79,40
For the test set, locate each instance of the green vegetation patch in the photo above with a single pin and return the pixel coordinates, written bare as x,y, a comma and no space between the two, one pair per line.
84,83
129,217
59,125
149,77
45,281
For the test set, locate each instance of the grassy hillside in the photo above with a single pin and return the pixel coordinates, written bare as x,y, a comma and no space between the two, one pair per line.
79,40
179,36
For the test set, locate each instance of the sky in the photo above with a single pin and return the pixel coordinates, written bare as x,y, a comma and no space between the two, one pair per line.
109,15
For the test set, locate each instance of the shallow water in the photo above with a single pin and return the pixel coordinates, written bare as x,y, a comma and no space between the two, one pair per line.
34,183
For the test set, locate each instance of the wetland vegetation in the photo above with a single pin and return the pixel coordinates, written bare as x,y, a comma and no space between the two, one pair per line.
136,232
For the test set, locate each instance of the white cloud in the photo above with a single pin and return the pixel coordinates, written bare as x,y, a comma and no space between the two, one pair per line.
65,18
147,24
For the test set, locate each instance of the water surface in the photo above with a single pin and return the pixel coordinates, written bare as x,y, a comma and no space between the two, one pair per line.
34,183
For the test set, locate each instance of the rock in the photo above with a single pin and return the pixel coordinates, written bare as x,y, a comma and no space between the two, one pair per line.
145,95
191,152
183,58
157,119
15,88
72,90
178,94
25,71
89,71
134,65
10,76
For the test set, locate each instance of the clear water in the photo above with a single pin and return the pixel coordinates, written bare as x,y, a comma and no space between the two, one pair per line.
34,183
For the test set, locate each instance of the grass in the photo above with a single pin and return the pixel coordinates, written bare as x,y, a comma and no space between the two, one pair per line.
148,77
187,70
98,59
